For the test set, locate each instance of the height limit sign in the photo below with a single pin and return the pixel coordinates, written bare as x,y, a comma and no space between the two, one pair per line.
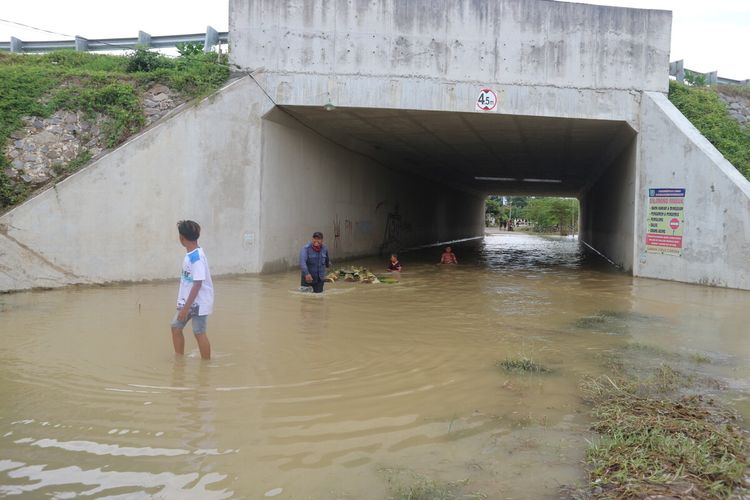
487,100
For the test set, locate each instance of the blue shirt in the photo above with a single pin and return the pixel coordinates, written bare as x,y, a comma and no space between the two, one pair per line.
312,262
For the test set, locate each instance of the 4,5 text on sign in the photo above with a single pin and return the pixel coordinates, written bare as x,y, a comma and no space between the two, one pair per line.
487,100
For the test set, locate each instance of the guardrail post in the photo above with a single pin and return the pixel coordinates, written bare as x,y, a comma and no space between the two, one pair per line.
144,39
16,45
82,45
712,78
212,38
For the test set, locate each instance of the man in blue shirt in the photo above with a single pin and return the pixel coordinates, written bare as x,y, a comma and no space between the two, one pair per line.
313,261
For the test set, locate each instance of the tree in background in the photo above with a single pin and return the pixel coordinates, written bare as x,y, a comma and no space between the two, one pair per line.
552,214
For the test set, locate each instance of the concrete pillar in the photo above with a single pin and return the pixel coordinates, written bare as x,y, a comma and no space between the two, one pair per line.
16,45
212,38
712,78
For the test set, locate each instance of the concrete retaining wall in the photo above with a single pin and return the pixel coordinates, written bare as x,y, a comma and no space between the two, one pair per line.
716,238
115,219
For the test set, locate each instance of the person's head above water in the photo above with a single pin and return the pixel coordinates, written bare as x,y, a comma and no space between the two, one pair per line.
394,258
317,239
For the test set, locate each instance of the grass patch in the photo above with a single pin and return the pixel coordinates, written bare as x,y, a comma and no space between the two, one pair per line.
405,485
655,442
39,85
522,365
705,109
699,358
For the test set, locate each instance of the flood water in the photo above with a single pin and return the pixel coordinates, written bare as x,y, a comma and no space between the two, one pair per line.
349,394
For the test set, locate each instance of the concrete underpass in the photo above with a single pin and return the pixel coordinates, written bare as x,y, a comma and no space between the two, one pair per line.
361,119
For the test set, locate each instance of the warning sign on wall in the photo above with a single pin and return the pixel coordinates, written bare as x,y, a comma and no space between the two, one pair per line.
487,100
666,220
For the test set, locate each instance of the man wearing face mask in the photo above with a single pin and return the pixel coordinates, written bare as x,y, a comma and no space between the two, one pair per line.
313,261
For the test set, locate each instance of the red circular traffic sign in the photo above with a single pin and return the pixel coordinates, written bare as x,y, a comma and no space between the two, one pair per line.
674,223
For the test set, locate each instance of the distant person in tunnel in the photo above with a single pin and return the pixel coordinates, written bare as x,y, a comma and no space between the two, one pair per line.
448,257
195,298
394,264
313,261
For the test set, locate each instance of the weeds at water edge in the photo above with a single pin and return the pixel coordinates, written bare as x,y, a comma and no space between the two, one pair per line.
654,442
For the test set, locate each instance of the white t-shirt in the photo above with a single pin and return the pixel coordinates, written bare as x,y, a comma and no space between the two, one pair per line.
195,268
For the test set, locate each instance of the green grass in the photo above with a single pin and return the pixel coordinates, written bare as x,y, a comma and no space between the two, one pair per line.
39,85
705,109
653,441
523,365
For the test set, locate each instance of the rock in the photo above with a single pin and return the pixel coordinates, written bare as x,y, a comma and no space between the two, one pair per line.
17,164
11,173
13,153
45,137
160,97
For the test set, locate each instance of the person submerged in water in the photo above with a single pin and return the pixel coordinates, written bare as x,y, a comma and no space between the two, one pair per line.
394,264
448,257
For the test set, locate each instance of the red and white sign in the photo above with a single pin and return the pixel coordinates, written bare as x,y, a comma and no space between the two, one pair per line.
674,224
487,100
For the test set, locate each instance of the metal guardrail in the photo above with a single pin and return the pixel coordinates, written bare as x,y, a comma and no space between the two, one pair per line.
209,39
678,70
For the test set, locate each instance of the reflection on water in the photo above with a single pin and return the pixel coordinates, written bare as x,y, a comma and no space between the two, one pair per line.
337,395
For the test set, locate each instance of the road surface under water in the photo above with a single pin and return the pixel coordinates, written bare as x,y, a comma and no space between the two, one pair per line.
354,393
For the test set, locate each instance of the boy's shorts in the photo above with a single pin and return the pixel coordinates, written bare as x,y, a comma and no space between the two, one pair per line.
199,322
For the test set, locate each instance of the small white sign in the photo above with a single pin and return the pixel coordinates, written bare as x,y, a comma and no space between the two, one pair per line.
487,100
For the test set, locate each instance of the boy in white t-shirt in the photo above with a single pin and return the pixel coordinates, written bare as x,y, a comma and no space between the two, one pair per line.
195,299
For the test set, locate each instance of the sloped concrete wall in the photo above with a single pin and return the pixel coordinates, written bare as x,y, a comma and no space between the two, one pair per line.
716,237
361,205
115,219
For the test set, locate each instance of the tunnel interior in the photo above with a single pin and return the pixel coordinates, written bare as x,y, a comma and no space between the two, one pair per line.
484,153
453,160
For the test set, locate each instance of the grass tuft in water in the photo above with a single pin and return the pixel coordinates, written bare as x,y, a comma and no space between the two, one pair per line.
653,442
417,487
522,364
697,357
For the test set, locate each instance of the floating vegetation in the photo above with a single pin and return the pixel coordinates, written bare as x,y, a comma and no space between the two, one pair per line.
359,275
655,442
522,364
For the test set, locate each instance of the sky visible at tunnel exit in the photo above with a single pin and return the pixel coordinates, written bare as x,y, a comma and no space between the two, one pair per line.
707,34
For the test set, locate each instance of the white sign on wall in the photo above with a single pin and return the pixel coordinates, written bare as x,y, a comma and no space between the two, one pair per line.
487,100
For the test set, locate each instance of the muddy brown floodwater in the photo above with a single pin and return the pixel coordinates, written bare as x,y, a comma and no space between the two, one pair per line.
349,394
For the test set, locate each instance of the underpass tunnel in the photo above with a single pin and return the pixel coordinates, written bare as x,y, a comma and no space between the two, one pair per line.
439,167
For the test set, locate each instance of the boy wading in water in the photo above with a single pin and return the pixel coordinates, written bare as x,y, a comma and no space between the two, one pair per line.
195,299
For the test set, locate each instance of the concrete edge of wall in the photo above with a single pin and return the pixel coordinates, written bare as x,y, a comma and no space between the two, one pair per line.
693,135
716,227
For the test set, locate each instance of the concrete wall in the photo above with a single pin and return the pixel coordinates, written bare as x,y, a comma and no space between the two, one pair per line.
312,184
608,208
542,58
519,42
115,219
716,238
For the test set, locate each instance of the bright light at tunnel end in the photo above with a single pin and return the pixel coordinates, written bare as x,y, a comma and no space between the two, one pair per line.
511,179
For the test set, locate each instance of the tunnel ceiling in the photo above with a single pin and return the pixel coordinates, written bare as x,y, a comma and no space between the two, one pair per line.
517,153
